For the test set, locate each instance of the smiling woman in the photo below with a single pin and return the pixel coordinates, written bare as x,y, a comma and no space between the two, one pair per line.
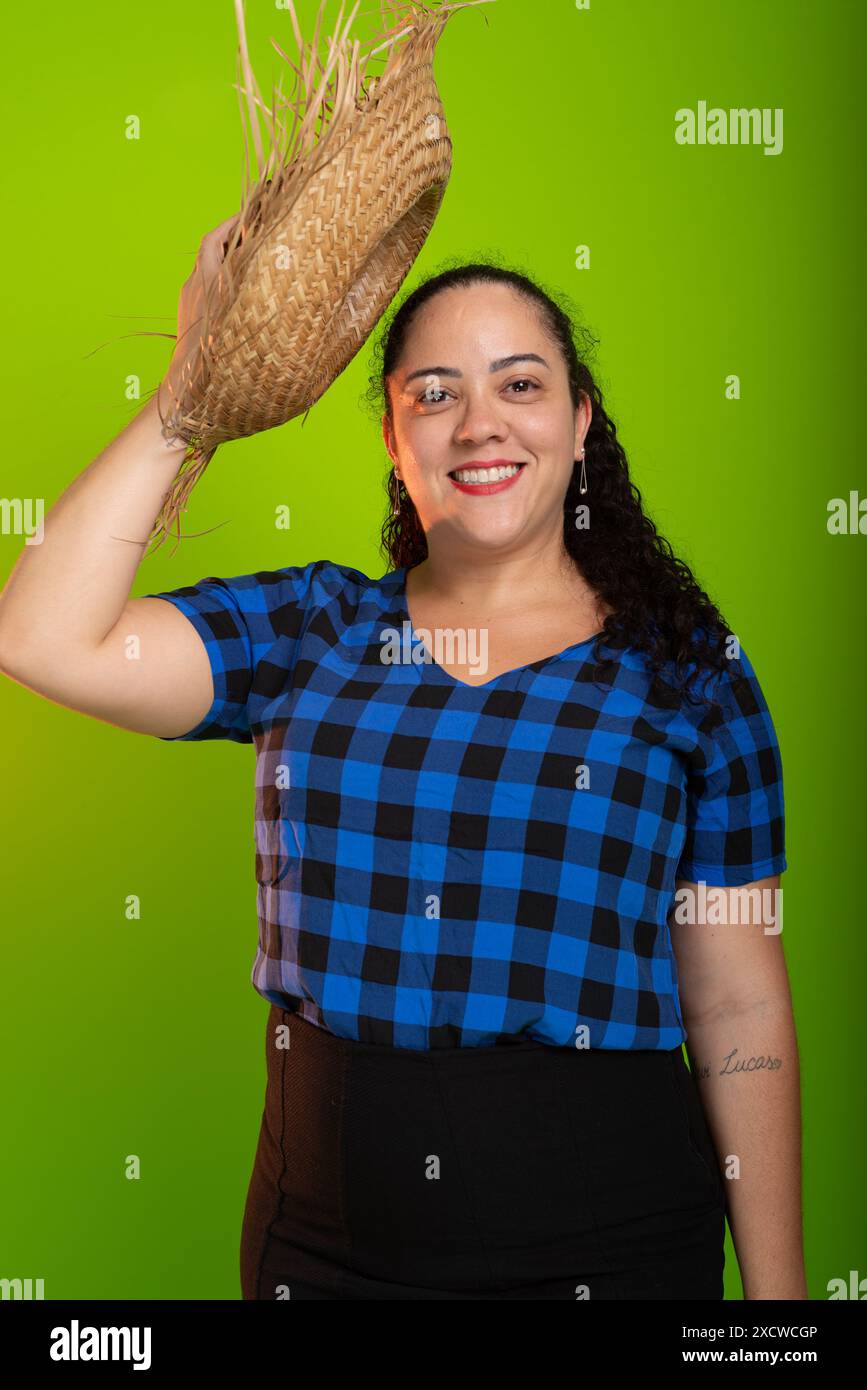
465,870
584,557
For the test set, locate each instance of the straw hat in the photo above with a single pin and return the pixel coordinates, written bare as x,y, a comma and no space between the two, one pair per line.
326,233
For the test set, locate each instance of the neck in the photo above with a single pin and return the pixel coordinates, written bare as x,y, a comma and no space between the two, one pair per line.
492,584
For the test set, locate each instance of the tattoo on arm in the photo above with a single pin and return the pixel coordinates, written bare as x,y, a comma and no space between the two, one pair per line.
730,1066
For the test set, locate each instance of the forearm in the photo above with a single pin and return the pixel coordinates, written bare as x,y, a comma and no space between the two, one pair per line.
69,589
745,1063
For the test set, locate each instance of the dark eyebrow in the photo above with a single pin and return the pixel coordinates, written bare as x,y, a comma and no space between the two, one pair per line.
496,366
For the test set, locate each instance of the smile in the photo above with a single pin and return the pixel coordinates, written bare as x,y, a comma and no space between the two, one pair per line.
486,479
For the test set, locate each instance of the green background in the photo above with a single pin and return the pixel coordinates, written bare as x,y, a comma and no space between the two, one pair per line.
146,1037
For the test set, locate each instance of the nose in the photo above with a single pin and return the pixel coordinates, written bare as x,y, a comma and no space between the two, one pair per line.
480,418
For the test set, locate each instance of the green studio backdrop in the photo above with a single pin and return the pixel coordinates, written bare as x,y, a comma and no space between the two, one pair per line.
706,262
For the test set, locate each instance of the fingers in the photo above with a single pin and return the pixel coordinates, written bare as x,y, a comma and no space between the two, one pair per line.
221,235
215,244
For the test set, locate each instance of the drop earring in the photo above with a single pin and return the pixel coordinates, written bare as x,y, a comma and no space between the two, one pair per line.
582,485
395,511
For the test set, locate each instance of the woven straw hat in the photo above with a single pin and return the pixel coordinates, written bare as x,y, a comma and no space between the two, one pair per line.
326,233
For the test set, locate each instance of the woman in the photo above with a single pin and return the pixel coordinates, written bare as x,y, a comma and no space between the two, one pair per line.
487,785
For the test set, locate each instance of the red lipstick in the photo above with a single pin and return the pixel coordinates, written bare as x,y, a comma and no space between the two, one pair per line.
482,466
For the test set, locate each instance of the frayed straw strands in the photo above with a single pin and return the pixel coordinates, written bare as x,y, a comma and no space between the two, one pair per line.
339,210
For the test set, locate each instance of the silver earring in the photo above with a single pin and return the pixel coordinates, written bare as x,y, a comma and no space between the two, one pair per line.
395,511
582,486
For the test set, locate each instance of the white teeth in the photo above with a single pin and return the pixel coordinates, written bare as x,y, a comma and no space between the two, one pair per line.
486,475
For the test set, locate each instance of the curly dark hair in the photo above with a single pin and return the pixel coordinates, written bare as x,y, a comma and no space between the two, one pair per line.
657,604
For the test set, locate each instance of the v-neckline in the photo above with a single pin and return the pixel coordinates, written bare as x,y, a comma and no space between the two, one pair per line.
431,669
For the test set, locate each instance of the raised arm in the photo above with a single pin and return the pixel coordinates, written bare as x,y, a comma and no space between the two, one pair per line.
68,628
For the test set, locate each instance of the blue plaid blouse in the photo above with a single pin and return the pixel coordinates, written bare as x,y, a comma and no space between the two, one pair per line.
433,870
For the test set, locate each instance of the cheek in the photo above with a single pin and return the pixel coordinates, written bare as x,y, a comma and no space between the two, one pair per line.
422,451
547,435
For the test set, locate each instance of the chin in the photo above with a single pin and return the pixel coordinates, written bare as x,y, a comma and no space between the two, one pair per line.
494,535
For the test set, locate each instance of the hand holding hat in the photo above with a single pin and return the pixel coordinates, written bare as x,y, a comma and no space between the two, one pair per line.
284,294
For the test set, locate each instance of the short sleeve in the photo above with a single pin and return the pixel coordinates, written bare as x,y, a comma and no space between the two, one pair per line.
249,625
735,817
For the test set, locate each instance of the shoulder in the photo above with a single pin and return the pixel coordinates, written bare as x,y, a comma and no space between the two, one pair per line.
721,679
328,579
735,692
269,605
312,586
737,734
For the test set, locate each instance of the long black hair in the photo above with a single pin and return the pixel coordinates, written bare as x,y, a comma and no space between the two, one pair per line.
656,603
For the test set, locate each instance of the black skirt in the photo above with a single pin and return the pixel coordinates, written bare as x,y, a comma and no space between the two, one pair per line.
512,1171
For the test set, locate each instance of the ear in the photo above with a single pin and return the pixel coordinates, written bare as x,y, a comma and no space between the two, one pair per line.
583,416
388,438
